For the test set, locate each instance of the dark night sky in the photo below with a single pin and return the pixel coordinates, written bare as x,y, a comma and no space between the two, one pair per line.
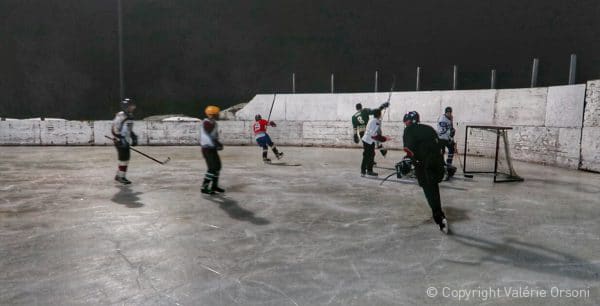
59,57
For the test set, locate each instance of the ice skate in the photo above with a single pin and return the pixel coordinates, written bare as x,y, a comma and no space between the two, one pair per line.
123,180
207,190
444,226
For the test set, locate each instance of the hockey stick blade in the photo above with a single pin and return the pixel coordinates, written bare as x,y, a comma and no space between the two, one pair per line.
142,153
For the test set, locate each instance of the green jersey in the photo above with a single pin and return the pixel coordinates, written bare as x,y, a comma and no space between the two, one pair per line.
361,118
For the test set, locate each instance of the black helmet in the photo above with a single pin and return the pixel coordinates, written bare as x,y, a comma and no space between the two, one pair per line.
358,106
411,117
448,109
126,102
257,117
377,113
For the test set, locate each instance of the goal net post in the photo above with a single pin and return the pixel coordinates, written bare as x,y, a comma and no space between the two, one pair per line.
487,150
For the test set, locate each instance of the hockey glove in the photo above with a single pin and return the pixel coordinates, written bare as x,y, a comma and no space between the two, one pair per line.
452,132
356,139
219,145
134,140
271,123
379,138
121,142
384,105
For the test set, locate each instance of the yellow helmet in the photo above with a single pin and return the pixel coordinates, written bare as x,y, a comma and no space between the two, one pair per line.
211,110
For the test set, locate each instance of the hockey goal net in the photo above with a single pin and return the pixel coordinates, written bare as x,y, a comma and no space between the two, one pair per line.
487,151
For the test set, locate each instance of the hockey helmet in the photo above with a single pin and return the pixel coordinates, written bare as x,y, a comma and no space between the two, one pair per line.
448,109
212,110
257,117
377,113
126,103
411,117
358,106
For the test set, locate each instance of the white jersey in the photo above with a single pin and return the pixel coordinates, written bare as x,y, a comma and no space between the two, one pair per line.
209,134
445,129
122,126
373,129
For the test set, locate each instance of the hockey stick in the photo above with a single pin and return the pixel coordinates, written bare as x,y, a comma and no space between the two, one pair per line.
460,163
387,177
272,104
382,150
390,95
143,154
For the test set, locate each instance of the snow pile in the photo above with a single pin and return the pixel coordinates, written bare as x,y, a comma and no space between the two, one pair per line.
180,118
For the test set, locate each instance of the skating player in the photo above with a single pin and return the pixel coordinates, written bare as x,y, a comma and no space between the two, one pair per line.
124,137
361,118
422,146
262,138
370,139
359,124
209,140
446,133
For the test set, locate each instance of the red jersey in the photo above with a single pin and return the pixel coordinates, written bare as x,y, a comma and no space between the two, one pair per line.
260,126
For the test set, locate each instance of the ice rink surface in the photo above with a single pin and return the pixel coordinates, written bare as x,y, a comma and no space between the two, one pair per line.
315,234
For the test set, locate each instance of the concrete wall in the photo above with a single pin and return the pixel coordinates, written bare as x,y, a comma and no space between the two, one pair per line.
25,132
590,138
549,124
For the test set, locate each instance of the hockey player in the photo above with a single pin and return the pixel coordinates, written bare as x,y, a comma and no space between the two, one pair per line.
421,144
361,118
124,137
209,140
370,139
359,125
262,138
446,133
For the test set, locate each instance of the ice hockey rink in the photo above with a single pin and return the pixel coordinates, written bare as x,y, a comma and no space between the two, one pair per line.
313,234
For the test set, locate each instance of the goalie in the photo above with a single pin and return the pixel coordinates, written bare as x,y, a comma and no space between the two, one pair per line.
446,134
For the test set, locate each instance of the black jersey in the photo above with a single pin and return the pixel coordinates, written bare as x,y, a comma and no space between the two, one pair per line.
422,144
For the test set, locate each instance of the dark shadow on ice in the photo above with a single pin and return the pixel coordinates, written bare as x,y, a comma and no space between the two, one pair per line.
575,185
531,257
407,181
236,212
454,214
283,164
127,197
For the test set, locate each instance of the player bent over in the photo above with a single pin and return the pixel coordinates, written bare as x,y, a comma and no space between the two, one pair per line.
422,146
209,140
262,138
446,133
122,130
